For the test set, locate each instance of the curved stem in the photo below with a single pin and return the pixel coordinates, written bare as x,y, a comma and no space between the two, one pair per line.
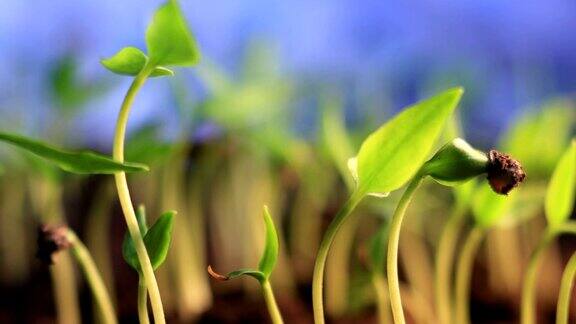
464,271
93,278
528,311
565,293
275,315
393,240
382,302
320,263
444,261
126,202
142,302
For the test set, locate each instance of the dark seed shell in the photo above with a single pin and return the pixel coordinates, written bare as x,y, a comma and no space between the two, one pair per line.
504,172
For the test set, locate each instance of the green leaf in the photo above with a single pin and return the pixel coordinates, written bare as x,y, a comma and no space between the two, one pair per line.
393,154
455,163
562,188
378,248
489,208
157,240
261,277
85,162
130,61
270,254
168,38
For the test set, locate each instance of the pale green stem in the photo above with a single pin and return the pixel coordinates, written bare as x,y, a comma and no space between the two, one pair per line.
382,301
444,262
393,241
273,310
464,271
320,263
126,202
93,278
563,307
528,311
142,302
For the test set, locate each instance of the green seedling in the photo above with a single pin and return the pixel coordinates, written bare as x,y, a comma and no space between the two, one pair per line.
54,239
558,205
169,43
264,270
157,240
387,159
490,205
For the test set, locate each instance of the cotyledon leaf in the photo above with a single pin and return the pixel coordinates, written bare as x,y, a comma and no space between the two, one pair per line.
270,253
391,155
130,61
84,162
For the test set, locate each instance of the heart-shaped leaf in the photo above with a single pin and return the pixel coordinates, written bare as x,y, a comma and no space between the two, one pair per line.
157,240
270,253
562,188
130,61
391,155
169,39
84,162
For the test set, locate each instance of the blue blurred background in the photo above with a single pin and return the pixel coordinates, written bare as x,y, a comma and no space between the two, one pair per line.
511,56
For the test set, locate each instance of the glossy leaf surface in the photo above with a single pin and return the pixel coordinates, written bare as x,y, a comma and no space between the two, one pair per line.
391,155
168,38
84,162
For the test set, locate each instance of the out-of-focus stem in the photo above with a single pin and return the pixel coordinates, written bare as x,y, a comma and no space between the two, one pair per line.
444,262
46,197
528,311
464,271
382,300
142,302
563,307
393,241
93,278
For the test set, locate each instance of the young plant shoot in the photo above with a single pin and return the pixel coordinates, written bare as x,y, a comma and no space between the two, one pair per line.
387,159
169,43
558,205
54,239
490,205
157,241
265,268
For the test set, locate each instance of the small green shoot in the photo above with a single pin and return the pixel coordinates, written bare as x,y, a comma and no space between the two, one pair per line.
265,268
156,238
267,260
387,159
85,162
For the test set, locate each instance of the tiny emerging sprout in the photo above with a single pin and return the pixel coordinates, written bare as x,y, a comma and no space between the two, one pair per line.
457,162
51,239
504,172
